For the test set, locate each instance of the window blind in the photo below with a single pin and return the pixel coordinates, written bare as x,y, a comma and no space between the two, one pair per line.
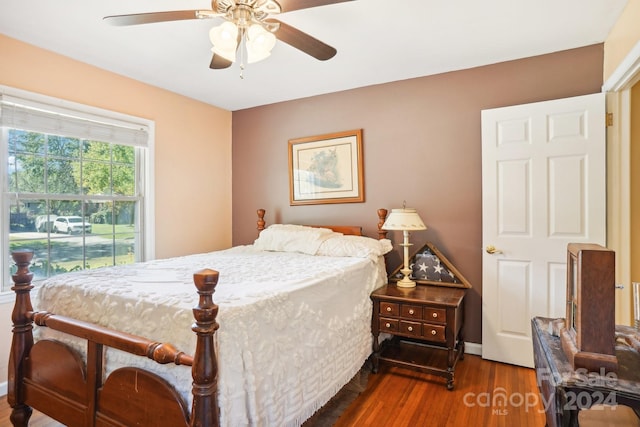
32,116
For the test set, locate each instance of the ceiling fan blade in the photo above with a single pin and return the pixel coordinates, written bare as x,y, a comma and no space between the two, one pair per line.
218,62
148,18
303,41
289,5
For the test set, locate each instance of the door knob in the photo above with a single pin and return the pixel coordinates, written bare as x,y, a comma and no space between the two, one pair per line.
492,250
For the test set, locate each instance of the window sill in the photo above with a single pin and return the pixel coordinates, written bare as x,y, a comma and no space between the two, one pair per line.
7,297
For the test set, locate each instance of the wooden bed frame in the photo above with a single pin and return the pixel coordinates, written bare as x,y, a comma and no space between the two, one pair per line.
53,378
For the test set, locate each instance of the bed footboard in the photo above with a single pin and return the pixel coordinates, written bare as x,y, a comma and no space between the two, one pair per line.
54,379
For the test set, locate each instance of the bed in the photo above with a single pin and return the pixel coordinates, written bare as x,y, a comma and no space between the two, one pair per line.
289,327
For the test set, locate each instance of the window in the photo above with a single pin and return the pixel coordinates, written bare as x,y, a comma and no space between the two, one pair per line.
75,182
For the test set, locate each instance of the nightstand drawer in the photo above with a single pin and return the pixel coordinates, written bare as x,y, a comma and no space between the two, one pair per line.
389,325
389,309
435,314
411,311
434,332
411,328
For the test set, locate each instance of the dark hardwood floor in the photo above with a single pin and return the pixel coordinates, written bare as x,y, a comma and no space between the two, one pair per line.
486,394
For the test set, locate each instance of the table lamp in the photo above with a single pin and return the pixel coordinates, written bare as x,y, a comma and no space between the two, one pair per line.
405,220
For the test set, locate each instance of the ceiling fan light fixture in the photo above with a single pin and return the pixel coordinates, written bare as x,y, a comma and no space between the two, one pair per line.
233,34
259,43
224,38
228,54
268,7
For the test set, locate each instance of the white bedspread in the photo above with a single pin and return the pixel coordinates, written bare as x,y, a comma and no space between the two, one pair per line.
294,328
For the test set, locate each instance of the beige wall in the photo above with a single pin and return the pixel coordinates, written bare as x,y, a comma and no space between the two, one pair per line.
422,144
623,37
192,149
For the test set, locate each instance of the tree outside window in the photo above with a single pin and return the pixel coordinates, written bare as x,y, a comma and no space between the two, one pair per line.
55,178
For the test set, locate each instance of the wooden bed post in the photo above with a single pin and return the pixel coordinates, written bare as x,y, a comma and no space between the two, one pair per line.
382,215
22,340
204,411
261,222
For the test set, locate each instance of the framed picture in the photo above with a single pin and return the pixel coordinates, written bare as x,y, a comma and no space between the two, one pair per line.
430,267
326,169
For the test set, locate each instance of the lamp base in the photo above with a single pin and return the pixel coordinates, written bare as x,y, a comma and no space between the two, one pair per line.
406,283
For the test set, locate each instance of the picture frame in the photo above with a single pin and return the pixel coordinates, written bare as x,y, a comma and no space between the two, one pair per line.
326,169
430,267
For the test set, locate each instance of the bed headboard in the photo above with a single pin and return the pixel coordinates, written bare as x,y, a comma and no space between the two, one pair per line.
354,230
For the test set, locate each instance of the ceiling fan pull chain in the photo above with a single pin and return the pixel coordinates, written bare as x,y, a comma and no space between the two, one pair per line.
243,48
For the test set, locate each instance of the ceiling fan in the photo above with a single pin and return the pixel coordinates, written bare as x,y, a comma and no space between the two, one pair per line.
246,22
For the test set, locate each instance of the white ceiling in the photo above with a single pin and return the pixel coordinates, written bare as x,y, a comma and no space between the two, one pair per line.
378,41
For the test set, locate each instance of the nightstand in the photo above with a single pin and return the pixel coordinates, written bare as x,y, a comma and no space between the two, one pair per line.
425,323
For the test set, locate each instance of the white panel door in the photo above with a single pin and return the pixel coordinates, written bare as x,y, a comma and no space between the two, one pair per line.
543,185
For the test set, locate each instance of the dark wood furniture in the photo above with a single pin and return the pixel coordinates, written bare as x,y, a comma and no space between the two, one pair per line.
422,321
52,378
588,338
565,390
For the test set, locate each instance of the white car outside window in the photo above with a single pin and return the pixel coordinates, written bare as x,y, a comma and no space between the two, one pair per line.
71,224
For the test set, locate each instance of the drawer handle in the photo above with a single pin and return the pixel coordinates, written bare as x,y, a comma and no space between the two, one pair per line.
433,332
410,328
435,314
388,308
387,325
411,311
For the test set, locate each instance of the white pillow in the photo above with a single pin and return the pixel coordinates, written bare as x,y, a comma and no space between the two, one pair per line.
354,246
292,238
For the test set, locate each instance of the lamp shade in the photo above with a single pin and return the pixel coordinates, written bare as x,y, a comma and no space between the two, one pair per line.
259,43
225,40
405,219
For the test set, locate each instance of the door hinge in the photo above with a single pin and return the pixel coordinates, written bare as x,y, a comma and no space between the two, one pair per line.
609,119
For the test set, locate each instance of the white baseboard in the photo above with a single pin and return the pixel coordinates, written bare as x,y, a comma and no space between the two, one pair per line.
3,389
473,348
